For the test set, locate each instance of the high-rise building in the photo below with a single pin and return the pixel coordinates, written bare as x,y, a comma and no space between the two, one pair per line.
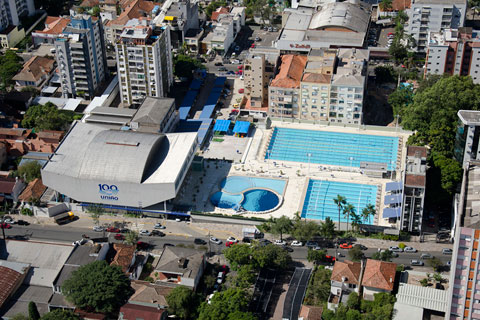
80,54
426,16
12,10
456,52
144,60
464,302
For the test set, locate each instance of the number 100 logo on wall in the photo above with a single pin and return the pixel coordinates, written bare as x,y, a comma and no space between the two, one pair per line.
107,191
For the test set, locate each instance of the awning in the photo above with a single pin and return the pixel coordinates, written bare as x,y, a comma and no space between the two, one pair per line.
393,199
241,127
207,111
221,125
392,212
131,209
394,186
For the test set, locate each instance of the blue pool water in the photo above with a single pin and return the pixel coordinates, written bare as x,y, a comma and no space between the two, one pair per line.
331,148
319,197
253,194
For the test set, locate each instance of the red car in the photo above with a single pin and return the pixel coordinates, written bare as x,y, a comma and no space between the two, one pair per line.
113,229
252,46
345,246
5,226
119,236
329,259
229,243
241,90
142,245
390,34
240,67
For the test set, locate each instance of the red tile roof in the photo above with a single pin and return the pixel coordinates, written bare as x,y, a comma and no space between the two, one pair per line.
291,71
414,180
35,68
34,189
133,10
398,5
317,78
8,281
219,11
413,151
6,185
54,25
124,255
50,134
90,3
132,311
379,274
348,270
311,313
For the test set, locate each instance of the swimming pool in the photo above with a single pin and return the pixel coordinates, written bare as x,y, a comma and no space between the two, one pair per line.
318,203
249,193
332,148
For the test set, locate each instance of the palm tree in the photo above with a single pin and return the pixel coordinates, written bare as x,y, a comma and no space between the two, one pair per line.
340,201
356,220
385,5
348,210
368,211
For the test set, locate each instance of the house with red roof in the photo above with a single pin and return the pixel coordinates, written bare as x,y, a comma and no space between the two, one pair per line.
345,279
379,276
135,311
53,28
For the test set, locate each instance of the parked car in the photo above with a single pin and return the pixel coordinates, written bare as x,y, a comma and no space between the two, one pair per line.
409,249
119,236
142,245
395,249
230,72
361,246
218,64
159,226
316,248
23,223
144,232
345,245
199,241
232,239
257,39
241,90
215,240
252,46
9,220
416,263
229,243
426,256
275,29
220,277
124,230
447,251
394,254
79,242
157,233
270,29
240,67
280,242
113,229
222,69
287,248
312,244
97,228
296,243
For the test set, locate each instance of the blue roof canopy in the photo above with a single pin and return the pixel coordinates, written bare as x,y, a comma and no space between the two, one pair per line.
189,98
391,212
393,199
221,125
195,85
203,130
183,111
207,111
241,127
220,81
394,186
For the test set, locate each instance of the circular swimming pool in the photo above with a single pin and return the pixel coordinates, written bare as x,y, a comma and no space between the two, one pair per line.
226,200
259,200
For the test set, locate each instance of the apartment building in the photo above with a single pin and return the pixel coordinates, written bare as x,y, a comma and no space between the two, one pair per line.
284,89
426,16
414,189
464,301
332,86
80,55
12,10
225,30
144,61
181,16
454,51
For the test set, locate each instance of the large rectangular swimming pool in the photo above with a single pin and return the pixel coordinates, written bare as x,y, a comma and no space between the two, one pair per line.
332,148
319,204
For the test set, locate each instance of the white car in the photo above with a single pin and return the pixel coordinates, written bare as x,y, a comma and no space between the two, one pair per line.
79,242
9,221
97,228
215,240
280,242
144,232
409,249
447,251
296,243
232,239
395,249
159,226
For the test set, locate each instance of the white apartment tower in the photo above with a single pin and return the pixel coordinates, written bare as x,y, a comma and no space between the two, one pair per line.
144,61
12,10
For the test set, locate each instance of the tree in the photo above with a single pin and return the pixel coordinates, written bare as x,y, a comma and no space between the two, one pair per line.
33,313
10,64
356,221
356,253
384,255
385,5
29,171
319,289
438,278
368,211
397,50
384,74
131,237
327,228
305,230
271,256
95,211
184,66
400,99
435,263
316,256
238,255
47,117
353,301
424,282
96,11
60,314
97,287
348,210
353,314
281,225
19,316
225,303
340,201
245,276
240,315
182,302
213,6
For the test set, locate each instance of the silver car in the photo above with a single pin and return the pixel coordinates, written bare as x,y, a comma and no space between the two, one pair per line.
395,249
447,251
416,263
426,256
215,240
144,232
409,249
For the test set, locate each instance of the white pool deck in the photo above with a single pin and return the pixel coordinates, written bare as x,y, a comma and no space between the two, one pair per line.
296,173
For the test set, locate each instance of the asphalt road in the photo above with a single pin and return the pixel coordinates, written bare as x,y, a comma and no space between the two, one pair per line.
69,234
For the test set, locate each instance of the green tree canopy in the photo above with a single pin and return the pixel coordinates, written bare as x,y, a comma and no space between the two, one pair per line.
98,287
319,288
281,225
327,228
238,255
245,277
47,117
131,237
33,313
225,303
356,253
271,256
316,256
305,230
59,314
185,65
183,302
29,171
384,255
10,64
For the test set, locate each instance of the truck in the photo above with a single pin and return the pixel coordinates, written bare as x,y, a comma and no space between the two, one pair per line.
64,217
251,233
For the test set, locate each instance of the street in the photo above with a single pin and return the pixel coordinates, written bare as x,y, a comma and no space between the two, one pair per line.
68,234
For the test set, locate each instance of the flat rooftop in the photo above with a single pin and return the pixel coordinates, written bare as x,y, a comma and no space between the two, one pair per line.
469,117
